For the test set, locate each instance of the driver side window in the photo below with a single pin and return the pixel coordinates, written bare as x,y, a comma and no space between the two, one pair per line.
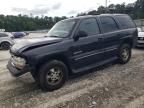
89,27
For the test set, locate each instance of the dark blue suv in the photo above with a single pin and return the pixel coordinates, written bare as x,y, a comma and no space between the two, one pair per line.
74,45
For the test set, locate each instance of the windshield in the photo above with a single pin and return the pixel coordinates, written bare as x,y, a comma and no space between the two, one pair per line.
61,29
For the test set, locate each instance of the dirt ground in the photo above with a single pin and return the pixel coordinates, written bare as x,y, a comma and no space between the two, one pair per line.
109,86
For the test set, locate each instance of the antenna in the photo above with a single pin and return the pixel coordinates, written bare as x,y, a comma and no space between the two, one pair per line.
106,2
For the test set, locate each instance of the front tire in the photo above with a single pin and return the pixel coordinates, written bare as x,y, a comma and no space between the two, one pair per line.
53,75
124,54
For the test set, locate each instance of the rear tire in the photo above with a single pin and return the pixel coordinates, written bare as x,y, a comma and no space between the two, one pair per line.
53,75
124,54
5,45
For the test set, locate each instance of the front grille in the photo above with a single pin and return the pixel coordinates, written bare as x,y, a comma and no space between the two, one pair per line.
140,38
141,44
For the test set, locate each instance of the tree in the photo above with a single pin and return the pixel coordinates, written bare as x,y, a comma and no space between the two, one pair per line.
139,8
94,12
24,23
101,10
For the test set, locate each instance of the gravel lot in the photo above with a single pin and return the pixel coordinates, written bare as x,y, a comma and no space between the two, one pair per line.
109,86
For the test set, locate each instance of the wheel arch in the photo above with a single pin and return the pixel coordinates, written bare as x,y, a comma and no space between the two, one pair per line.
5,41
127,41
59,57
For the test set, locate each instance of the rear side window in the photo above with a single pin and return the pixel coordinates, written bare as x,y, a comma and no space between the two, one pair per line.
89,26
3,35
125,22
108,24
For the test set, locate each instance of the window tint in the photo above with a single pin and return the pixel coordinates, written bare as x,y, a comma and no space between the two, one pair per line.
108,24
3,35
89,26
125,22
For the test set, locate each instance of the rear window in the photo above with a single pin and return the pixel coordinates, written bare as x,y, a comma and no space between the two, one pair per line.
108,24
125,22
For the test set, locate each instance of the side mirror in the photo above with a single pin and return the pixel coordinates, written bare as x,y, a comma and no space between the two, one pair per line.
80,34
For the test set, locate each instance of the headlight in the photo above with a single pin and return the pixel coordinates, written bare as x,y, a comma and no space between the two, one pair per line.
18,62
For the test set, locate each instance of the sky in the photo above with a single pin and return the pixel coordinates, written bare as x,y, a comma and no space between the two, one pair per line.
53,7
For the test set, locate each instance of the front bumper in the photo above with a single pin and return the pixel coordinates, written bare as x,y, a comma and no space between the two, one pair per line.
140,43
17,72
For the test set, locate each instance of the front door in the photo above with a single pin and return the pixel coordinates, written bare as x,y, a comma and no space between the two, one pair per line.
87,51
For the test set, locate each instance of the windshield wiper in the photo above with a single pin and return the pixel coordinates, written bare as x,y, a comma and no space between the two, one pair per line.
54,36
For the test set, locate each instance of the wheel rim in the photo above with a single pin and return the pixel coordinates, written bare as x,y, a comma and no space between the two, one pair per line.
54,76
125,54
5,45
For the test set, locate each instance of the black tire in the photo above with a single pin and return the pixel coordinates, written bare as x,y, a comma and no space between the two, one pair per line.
5,45
45,72
124,54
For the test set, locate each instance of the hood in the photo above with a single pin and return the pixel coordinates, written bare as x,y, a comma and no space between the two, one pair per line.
24,44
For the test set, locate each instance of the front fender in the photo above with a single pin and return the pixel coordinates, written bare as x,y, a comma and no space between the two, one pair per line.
35,56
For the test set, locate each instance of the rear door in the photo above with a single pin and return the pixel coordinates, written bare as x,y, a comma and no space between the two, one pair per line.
128,28
86,50
111,36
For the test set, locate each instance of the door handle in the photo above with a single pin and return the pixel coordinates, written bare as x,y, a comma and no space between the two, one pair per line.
127,34
124,34
100,39
118,34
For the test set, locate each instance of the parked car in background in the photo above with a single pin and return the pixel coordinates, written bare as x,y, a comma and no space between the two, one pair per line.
140,42
6,40
19,34
74,45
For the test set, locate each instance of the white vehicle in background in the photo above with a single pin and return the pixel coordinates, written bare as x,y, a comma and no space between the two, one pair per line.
6,40
140,42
